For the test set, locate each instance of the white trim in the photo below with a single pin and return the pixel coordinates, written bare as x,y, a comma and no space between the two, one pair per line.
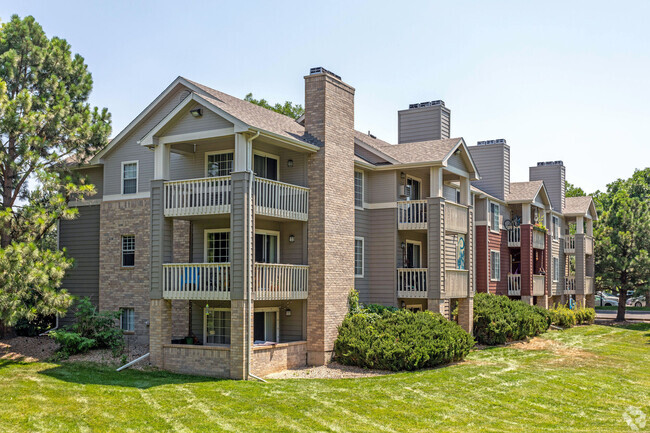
498,229
276,310
363,192
137,176
556,275
205,324
418,243
194,136
122,265
384,205
205,242
363,256
273,233
490,270
116,197
81,203
216,152
122,309
266,155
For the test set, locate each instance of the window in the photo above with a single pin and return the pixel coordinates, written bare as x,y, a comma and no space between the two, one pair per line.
556,228
216,329
127,319
358,189
217,246
413,188
266,166
266,326
556,269
494,214
218,164
413,254
130,177
460,252
358,257
267,247
458,196
495,265
128,250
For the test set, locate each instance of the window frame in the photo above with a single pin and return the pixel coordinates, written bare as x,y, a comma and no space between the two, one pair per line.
363,256
496,229
275,310
556,270
122,311
137,177
363,187
273,233
418,180
206,310
265,155
206,232
498,253
123,251
216,152
556,227
418,243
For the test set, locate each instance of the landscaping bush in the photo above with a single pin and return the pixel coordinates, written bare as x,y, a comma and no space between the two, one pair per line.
585,316
563,316
498,319
91,330
400,340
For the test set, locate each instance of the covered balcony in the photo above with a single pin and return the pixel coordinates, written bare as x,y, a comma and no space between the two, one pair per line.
412,283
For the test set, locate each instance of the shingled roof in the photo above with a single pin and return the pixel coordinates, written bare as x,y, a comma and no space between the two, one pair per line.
524,191
579,206
407,153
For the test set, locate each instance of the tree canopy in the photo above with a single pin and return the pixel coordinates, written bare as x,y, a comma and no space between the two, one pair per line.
573,191
46,123
288,108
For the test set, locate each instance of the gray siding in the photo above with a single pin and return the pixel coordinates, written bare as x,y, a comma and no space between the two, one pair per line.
457,162
450,193
95,176
381,187
493,164
185,122
423,124
362,229
80,237
381,260
554,177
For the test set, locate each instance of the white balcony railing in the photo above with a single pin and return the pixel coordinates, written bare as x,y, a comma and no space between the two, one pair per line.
514,284
538,285
539,239
412,215
211,281
281,200
279,282
570,244
570,285
514,237
207,196
412,282
200,281
455,218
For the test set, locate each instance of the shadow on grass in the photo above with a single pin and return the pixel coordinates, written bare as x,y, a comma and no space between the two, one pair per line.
93,374
634,326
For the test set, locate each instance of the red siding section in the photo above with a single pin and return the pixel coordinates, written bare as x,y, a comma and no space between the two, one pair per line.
482,268
527,258
495,241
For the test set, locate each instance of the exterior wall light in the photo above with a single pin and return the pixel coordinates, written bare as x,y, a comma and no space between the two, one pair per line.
197,112
403,245
292,238
288,312
290,163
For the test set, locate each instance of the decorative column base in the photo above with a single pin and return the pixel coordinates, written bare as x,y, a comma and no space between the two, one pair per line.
240,352
160,330
527,300
466,314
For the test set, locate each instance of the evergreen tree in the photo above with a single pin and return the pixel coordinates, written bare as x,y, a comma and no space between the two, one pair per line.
288,108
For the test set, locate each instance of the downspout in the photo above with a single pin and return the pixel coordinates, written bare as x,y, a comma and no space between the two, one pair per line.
249,282
56,326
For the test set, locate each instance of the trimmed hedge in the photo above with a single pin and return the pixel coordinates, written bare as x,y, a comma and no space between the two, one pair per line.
566,318
400,340
498,319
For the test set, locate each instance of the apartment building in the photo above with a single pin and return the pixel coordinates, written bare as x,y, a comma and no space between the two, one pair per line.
532,242
241,231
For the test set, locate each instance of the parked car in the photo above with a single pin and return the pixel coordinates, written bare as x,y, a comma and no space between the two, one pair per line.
637,301
604,300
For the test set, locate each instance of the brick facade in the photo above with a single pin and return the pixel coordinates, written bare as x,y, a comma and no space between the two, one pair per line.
125,287
279,357
202,360
181,254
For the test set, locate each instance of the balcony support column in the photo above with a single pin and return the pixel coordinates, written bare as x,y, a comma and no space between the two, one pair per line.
436,184
161,161
580,266
590,227
436,252
466,314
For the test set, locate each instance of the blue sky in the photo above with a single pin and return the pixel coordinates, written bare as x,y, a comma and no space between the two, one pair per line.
559,80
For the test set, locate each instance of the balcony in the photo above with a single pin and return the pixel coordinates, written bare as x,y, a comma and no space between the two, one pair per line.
213,196
211,281
514,284
539,239
456,283
570,244
412,283
455,218
589,245
412,215
570,285
538,285
589,285
514,237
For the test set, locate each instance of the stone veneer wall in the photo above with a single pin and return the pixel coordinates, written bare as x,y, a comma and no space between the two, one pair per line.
200,360
279,357
125,287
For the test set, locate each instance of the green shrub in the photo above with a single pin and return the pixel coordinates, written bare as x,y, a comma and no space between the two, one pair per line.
91,330
400,340
498,319
563,316
378,308
585,316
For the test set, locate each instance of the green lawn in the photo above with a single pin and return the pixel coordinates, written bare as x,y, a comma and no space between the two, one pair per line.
615,308
579,380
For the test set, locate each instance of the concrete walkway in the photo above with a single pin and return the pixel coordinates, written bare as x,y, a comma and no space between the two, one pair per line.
643,316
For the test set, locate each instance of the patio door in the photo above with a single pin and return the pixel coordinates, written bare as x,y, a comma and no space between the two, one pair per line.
265,166
265,326
267,247
414,186
413,255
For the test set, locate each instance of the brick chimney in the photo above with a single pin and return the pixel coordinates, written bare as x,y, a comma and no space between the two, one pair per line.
329,118
553,174
492,158
423,122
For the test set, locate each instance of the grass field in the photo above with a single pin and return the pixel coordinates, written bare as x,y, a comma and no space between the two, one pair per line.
578,380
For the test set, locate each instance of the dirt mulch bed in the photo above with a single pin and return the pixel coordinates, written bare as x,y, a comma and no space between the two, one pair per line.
329,371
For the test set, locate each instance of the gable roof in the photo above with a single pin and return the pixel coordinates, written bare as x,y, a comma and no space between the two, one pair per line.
580,206
527,192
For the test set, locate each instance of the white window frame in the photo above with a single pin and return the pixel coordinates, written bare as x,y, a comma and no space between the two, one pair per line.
205,324
277,320
363,190
122,251
272,232
363,256
418,243
206,232
267,155
417,179
556,270
556,227
496,229
216,152
491,264
122,310
137,177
